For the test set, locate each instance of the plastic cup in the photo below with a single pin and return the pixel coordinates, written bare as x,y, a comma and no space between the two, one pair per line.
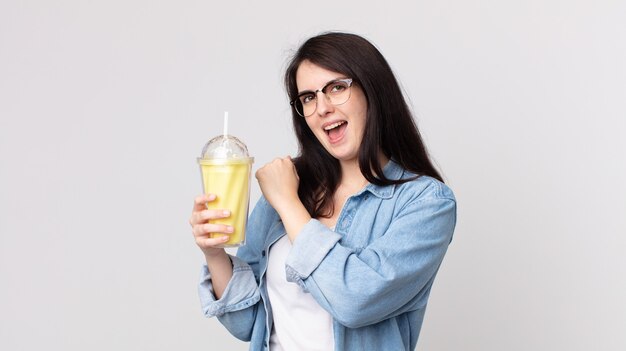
225,167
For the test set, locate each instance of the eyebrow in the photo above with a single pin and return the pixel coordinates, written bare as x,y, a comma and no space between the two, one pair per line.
325,85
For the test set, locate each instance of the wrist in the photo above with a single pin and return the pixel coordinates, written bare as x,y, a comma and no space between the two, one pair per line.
289,206
294,218
215,254
286,204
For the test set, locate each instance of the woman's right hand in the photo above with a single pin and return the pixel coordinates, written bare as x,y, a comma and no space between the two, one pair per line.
202,227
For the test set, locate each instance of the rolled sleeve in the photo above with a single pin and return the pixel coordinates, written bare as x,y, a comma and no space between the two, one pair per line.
313,243
241,292
351,284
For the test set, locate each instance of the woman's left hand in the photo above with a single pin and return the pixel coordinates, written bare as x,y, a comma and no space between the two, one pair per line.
279,182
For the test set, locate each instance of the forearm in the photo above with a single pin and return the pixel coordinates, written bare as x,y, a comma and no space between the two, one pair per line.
221,269
240,294
279,183
294,216
397,266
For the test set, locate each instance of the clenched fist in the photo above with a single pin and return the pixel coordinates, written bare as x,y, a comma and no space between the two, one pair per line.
279,182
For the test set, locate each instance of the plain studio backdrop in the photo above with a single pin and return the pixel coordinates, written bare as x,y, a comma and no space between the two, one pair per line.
105,105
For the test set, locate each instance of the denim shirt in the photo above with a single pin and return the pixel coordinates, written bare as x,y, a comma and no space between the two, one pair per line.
373,273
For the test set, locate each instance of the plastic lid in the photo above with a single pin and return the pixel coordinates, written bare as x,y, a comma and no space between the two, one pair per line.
224,147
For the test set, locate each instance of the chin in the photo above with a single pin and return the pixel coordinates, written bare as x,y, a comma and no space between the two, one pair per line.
345,158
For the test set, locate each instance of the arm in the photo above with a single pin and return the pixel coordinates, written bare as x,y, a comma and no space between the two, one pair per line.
238,305
279,183
217,261
390,276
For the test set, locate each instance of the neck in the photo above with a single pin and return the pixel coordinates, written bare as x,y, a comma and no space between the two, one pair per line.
351,173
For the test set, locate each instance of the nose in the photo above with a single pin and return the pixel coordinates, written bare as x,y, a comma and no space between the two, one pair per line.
324,107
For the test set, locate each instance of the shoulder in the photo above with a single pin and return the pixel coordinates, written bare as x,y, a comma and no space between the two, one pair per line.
416,187
423,188
426,198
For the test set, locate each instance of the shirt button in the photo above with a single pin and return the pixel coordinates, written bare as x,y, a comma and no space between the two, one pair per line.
263,253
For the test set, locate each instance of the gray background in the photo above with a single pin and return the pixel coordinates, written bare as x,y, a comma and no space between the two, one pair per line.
104,106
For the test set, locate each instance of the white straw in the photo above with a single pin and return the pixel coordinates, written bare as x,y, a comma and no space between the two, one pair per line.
225,123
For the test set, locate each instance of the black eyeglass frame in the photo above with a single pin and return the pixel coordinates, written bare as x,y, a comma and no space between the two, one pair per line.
348,81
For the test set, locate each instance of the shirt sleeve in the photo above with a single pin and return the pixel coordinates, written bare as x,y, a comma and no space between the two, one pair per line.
238,307
241,291
390,276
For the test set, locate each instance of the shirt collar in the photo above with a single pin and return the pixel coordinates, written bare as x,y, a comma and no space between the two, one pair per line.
392,171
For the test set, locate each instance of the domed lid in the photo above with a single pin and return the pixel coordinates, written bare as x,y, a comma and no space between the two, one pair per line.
225,147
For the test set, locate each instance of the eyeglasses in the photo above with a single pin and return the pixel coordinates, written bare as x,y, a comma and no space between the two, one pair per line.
337,92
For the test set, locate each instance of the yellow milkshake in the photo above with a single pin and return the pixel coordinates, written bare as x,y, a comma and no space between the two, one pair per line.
225,168
229,180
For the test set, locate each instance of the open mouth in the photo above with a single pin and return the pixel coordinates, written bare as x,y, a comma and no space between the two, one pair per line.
335,131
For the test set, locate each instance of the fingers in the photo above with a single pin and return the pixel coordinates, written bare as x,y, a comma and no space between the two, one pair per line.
206,229
203,230
276,165
280,160
206,215
199,203
203,234
201,216
206,243
286,159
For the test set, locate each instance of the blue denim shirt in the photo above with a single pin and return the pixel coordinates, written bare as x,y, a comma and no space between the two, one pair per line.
373,273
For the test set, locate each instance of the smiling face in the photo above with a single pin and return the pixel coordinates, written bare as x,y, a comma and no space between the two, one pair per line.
338,128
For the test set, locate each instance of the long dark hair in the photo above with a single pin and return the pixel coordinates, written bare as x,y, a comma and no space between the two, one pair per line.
389,123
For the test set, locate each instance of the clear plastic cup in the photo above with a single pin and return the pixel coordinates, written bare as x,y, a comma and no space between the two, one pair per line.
225,167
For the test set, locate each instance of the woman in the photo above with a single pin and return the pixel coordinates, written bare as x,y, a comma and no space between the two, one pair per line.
343,246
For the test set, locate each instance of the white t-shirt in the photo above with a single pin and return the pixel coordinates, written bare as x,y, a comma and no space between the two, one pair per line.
300,323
